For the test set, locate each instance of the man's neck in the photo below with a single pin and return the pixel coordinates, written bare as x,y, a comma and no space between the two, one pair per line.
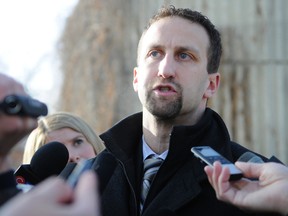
157,132
157,139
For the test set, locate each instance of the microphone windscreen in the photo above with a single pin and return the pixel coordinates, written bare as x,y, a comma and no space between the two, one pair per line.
250,157
104,165
49,160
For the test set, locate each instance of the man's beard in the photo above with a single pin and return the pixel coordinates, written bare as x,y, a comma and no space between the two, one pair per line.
163,109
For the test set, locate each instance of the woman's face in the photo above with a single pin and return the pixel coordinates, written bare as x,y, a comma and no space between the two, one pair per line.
76,143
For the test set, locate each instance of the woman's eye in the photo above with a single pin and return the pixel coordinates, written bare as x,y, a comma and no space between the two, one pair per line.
78,142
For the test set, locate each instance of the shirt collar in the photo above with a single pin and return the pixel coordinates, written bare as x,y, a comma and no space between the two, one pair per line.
147,151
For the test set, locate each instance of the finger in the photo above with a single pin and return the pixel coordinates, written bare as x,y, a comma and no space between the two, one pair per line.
54,189
213,173
218,169
13,129
17,124
86,182
86,194
209,172
224,176
223,180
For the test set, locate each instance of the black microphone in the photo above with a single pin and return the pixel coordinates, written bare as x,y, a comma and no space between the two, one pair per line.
104,165
23,106
250,157
48,160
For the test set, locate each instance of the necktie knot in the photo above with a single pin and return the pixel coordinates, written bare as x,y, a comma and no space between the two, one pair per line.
151,166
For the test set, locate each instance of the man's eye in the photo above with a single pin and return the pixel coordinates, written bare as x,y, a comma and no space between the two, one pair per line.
183,56
154,53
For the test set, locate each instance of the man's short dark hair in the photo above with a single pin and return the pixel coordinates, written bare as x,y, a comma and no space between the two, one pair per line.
215,48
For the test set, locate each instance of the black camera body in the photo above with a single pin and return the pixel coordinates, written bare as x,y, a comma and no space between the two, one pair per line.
23,106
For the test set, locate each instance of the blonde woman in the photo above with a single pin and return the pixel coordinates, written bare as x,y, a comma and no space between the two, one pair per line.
79,138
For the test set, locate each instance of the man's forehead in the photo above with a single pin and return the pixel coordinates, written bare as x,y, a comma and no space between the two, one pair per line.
177,32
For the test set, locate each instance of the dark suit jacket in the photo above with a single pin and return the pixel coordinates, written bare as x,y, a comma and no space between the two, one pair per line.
180,186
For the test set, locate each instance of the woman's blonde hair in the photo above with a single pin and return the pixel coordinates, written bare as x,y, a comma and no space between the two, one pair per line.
56,121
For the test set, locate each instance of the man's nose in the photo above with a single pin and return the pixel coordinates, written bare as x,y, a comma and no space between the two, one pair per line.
167,67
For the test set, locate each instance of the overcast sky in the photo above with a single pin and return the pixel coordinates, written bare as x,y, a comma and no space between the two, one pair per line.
29,31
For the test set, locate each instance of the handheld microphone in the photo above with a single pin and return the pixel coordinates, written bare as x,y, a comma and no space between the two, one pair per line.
250,157
48,160
23,106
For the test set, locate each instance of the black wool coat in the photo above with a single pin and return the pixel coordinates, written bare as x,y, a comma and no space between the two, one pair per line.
181,186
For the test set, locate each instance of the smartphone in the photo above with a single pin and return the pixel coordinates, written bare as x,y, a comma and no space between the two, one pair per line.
209,156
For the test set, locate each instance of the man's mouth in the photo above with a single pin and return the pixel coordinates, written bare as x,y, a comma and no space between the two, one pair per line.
165,88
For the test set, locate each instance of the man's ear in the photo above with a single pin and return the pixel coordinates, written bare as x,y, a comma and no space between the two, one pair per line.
214,82
135,79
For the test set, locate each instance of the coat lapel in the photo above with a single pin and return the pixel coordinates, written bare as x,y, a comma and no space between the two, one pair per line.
181,189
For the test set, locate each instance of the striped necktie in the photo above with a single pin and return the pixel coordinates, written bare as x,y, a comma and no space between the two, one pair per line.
151,166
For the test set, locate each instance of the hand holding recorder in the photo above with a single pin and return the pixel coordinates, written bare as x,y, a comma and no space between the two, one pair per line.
268,194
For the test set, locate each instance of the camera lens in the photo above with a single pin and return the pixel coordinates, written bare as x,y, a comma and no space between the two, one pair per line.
13,105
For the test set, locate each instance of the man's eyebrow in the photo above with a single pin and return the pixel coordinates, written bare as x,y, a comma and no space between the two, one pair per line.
188,48
181,48
154,46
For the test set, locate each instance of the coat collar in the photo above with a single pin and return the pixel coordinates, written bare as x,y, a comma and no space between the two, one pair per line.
181,169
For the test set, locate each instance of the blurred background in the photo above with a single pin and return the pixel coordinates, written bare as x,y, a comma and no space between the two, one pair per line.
87,61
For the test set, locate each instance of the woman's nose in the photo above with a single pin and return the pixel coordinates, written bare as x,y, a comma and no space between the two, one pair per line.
74,158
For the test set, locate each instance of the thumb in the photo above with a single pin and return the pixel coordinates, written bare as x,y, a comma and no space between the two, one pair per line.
250,170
